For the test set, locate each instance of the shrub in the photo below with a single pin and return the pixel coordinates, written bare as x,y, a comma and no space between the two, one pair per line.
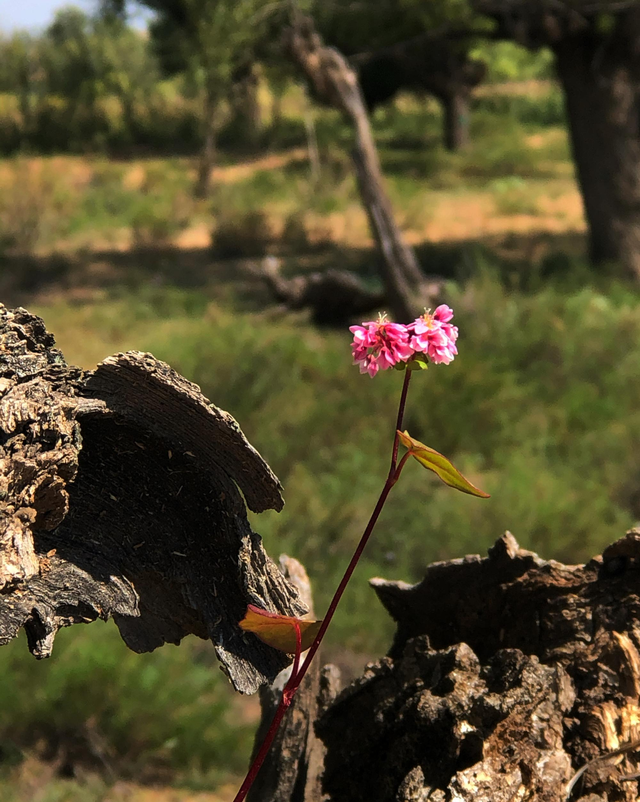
97,704
512,195
33,206
241,235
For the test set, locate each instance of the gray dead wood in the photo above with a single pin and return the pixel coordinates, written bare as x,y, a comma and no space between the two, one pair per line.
335,83
122,494
507,675
334,296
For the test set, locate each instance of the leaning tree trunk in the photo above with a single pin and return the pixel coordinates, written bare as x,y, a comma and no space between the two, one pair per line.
336,83
510,678
601,85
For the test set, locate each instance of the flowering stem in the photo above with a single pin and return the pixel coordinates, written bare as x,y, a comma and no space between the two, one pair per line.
297,674
401,406
296,659
398,470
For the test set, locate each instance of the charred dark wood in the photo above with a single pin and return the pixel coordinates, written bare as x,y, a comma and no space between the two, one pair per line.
506,676
333,296
120,496
510,677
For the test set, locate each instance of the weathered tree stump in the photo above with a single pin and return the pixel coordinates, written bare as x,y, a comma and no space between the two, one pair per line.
120,496
507,676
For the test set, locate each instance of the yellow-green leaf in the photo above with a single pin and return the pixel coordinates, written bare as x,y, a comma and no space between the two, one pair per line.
278,630
440,465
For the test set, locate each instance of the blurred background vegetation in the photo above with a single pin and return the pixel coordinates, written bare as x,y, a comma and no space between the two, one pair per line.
144,178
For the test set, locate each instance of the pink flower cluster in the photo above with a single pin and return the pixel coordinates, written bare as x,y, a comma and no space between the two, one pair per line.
379,344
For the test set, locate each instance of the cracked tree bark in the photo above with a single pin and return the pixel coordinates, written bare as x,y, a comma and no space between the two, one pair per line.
121,495
507,675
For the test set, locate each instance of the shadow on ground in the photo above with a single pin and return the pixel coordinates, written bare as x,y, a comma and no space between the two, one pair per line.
522,260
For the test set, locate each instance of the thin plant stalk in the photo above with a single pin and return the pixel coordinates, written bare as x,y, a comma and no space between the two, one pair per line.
297,674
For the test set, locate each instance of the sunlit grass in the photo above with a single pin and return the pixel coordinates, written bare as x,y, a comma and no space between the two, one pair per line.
539,410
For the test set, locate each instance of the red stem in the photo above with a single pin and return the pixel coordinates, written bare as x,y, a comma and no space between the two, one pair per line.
297,675
287,697
296,659
401,406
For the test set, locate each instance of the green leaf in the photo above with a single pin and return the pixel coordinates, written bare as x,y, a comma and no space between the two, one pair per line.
419,362
440,465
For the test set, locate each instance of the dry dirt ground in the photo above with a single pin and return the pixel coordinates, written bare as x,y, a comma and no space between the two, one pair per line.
435,215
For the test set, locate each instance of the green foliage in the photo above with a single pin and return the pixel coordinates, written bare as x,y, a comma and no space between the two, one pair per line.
507,61
437,463
141,715
92,83
359,27
513,195
88,84
533,107
538,410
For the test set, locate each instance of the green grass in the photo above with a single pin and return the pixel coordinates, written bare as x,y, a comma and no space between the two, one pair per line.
51,207
102,707
539,410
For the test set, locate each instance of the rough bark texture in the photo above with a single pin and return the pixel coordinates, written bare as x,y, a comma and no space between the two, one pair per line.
246,104
456,121
120,495
601,84
507,675
597,50
336,83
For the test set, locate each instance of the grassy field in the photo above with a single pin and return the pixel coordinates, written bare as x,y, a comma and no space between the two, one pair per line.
539,409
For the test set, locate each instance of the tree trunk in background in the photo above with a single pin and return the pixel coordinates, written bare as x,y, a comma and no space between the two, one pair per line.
597,50
208,153
456,121
402,276
247,108
602,96
336,84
